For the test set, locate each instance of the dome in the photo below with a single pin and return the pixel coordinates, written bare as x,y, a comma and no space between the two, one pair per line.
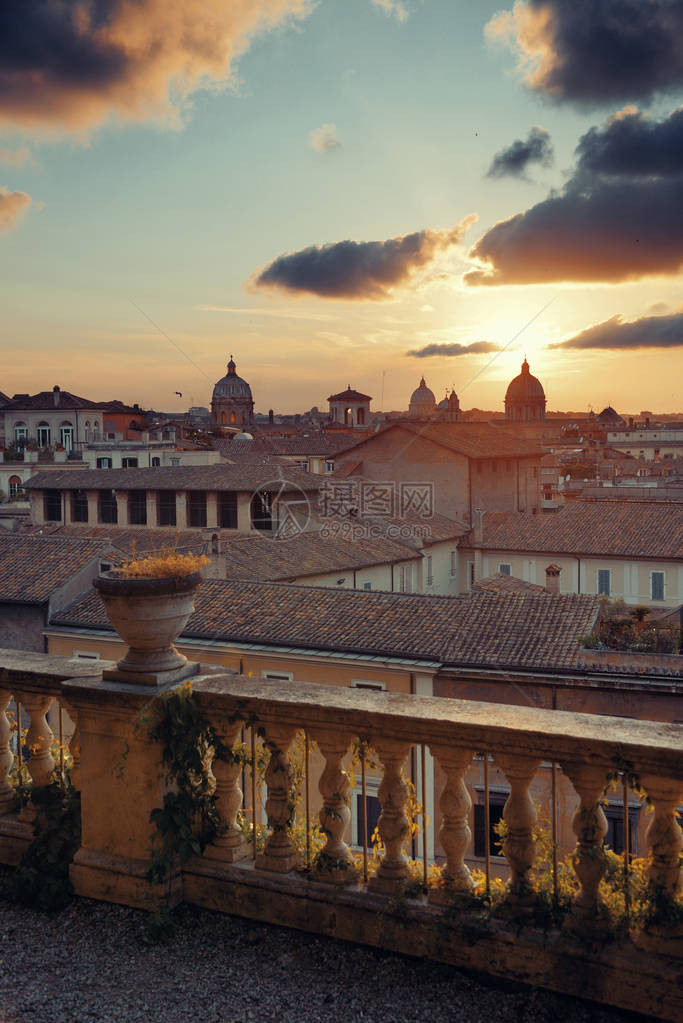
610,417
243,436
525,386
525,398
422,400
232,386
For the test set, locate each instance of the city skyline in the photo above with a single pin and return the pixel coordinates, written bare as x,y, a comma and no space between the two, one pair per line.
362,193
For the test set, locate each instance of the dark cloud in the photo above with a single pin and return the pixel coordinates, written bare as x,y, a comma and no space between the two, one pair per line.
514,160
619,217
646,332
69,64
452,348
592,52
633,144
360,270
12,207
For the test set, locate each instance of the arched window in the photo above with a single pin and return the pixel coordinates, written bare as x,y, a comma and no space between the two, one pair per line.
20,434
223,418
14,486
233,417
66,435
361,417
95,431
43,435
87,431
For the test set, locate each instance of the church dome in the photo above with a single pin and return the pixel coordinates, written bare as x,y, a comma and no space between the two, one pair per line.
525,397
525,386
422,401
232,386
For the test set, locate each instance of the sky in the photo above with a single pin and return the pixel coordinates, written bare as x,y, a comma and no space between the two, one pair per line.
360,192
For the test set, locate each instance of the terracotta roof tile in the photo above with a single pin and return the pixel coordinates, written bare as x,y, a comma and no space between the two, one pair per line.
244,477
310,553
642,529
474,440
508,631
32,567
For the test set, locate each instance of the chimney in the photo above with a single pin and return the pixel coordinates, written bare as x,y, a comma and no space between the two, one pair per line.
271,417
56,395
552,579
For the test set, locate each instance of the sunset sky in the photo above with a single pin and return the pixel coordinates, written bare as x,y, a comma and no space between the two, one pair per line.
348,191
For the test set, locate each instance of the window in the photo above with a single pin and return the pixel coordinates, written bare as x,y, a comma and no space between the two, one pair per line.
107,510
196,508
52,500
66,436
328,466
137,507
14,486
227,509
87,431
175,461
504,569
166,507
156,461
367,586
43,435
20,435
454,563
361,683
657,585
278,676
497,800
95,431
129,463
615,828
87,655
303,464
373,809
470,573
262,510
430,577
406,579
604,581
79,506
104,463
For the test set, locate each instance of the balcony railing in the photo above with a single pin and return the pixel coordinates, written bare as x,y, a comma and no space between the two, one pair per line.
261,867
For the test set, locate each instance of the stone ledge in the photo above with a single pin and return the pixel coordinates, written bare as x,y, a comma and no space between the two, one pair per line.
619,975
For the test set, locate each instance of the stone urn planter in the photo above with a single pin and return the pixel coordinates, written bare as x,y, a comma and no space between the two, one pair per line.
149,613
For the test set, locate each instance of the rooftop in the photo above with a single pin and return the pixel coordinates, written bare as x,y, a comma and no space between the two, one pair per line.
474,440
246,476
261,559
33,567
641,529
507,630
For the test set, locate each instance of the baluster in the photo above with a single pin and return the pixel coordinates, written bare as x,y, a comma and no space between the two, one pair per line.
519,814
39,738
589,824
454,833
229,846
7,794
280,853
335,862
393,822
664,836
74,746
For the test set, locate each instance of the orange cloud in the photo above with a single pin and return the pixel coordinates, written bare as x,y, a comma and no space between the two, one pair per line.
12,207
71,66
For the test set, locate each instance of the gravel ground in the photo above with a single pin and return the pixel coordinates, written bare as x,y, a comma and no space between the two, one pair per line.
90,963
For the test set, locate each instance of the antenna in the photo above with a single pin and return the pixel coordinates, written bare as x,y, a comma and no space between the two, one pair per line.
382,398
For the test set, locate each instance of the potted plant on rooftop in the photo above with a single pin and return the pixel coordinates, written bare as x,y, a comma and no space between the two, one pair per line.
149,600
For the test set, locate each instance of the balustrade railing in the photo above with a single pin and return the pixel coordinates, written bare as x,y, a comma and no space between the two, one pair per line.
285,796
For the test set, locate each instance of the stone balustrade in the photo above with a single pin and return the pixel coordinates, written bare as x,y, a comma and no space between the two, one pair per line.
121,779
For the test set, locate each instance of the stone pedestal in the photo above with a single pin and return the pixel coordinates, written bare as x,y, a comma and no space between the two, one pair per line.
122,781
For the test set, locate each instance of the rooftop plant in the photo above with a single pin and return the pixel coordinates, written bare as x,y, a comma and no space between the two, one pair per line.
160,565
